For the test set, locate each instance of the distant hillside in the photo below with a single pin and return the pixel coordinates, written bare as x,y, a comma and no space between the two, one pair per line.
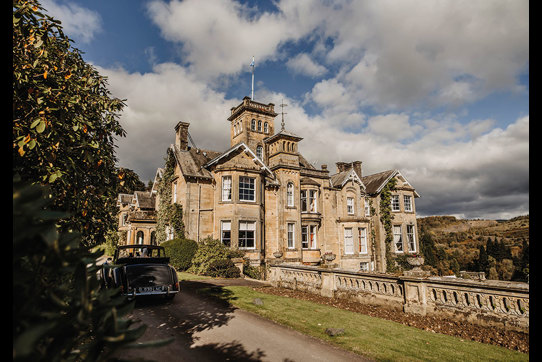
461,239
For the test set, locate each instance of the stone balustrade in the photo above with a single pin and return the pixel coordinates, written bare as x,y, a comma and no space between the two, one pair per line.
484,302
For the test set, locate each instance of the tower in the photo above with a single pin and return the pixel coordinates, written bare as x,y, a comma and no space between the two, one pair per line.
252,122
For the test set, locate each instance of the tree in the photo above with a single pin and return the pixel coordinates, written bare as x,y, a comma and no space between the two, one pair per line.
60,313
64,123
129,182
427,246
483,261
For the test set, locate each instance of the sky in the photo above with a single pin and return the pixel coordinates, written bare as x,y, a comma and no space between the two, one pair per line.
436,89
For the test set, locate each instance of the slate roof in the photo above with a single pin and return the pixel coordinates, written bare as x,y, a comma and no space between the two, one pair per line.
375,181
145,200
192,160
125,198
340,178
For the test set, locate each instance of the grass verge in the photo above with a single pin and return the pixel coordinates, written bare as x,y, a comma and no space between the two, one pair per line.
190,276
372,337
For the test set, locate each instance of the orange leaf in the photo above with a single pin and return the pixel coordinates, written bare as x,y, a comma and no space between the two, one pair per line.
45,75
21,151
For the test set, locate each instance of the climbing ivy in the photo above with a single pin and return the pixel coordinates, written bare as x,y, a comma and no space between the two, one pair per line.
169,214
386,218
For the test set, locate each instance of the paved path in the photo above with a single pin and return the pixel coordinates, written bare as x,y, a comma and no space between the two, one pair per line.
207,330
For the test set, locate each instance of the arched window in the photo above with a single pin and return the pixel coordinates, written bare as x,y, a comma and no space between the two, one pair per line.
259,126
153,237
266,127
290,194
139,237
259,152
253,125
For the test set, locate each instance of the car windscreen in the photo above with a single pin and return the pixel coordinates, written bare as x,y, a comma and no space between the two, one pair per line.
148,275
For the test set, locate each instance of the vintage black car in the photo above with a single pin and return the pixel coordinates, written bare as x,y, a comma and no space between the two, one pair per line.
141,270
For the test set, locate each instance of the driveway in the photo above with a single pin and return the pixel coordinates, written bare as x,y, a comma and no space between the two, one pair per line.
205,329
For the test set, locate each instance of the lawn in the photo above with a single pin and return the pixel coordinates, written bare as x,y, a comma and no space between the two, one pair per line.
190,276
375,338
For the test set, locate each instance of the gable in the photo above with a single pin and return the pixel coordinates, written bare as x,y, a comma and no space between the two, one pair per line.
239,156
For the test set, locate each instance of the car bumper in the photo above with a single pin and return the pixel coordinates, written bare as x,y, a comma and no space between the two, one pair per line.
133,294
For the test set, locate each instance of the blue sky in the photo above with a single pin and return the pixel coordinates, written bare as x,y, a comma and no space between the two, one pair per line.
438,90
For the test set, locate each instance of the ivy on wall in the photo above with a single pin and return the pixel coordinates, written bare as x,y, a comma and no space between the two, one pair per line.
386,218
168,214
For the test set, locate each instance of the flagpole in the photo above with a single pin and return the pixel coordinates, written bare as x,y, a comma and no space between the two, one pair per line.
252,65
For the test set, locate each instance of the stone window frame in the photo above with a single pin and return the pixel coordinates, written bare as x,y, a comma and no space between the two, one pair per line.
259,125
308,203
253,125
266,128
367,208
259,152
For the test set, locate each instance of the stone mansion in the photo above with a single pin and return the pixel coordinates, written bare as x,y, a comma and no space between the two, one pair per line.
261,195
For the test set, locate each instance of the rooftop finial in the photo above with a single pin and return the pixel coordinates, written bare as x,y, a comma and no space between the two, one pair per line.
282,105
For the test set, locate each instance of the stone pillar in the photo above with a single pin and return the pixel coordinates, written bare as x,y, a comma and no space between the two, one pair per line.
328,285
415,297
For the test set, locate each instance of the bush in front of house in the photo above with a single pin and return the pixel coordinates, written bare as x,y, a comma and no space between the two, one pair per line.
254,272
180,252
223,268
209,251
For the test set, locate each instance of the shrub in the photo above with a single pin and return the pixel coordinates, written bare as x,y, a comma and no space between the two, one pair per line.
208,251
181,252
224,268
251,271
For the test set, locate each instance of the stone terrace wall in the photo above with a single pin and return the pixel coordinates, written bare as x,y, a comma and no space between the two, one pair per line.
504,304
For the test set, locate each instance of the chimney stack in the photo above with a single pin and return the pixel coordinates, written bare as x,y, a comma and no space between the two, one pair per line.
181,135
343,166
357,167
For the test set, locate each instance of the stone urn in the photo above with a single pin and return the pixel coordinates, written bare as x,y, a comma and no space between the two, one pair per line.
329,257
415,261
277,254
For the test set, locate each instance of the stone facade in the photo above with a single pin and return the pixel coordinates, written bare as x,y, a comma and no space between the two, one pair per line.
137,218
262,196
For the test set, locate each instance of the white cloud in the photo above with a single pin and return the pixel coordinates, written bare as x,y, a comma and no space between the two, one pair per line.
81,24
303,64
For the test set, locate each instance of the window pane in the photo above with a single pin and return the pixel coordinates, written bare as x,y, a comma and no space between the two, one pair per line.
303,200
312,237
290,235
246,189
408,205
305,237
226,188
348,242
362,240
246,234
395,203
397,238
411,239
350,205
290,194
226,233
